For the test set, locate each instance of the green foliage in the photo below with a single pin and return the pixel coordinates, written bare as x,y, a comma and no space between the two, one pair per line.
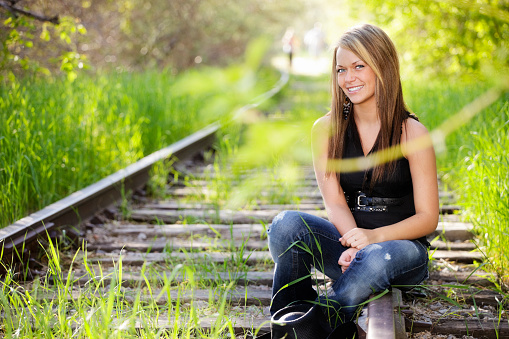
186,33
21,34
443,37
137,35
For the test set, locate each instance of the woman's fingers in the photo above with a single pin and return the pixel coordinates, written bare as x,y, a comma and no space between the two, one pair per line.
360,243
349,237
356,237
344,263
346,258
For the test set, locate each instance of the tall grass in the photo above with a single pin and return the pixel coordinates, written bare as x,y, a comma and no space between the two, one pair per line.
58,305
58,137
482,181
475,163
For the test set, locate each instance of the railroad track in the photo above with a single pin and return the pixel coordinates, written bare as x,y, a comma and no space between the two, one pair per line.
187,250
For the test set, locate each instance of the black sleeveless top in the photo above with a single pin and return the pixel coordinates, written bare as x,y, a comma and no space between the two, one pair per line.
399,185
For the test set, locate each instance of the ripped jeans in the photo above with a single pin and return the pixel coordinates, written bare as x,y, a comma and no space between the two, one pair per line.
299,241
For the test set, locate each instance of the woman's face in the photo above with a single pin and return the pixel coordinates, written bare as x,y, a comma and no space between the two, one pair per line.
355,77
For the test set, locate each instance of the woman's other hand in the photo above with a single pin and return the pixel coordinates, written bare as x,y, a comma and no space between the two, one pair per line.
346,258
357,238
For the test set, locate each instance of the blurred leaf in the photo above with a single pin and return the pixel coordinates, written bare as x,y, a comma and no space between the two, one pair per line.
256,50
82,30
45,34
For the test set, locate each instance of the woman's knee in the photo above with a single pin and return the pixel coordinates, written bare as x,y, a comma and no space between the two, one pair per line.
387,261
395,251
284,225
403,254
374,261
285,229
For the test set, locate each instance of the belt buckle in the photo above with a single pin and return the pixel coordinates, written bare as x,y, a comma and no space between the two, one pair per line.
359,196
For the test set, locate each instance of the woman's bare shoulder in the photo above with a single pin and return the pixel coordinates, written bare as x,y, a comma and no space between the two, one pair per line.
415,138
413,129
323,123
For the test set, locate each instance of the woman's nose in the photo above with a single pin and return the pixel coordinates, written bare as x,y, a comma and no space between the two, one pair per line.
349,77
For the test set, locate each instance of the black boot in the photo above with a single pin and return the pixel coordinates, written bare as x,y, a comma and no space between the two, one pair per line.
306,321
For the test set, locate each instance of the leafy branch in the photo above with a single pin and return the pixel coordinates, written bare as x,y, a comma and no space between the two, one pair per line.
11,7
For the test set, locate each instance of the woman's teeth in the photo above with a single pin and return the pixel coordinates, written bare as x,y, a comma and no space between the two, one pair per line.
354,89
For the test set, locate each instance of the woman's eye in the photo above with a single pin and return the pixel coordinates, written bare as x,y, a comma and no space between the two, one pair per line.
341,70
359,66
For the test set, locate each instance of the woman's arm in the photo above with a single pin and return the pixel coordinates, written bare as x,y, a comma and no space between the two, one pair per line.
425,185
334,199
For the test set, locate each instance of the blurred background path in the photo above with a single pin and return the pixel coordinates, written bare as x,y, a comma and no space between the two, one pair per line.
304,65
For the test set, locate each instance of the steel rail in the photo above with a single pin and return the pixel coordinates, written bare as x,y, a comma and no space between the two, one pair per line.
83,204
384,318
72,210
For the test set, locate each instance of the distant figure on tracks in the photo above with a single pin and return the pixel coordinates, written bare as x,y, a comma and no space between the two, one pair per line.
379,216
289,41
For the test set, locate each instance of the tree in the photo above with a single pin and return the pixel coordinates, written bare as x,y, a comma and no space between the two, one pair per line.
27,30
183,33
44,35
446,37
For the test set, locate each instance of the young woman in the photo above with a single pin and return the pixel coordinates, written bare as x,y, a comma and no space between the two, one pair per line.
378,218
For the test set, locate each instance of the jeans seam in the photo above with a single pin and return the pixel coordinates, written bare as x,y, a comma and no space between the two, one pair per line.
426,274
414,268
316,234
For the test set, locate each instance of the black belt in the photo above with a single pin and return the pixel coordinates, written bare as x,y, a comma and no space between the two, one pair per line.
363,203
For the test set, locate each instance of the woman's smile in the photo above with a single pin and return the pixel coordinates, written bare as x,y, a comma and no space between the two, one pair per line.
354,89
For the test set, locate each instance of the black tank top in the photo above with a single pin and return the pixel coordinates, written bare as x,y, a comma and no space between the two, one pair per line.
399,185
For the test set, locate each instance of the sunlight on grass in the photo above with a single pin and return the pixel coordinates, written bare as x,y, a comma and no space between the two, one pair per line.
58,137
99,303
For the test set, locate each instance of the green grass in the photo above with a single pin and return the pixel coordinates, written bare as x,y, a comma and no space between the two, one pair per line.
475,164
481,180
57,137
57,305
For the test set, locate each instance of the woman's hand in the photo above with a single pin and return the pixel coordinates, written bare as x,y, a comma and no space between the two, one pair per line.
358,238
346,258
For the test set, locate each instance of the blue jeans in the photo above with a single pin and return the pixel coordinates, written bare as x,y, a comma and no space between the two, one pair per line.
299,241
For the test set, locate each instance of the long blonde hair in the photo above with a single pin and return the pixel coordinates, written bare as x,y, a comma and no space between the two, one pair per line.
375,48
